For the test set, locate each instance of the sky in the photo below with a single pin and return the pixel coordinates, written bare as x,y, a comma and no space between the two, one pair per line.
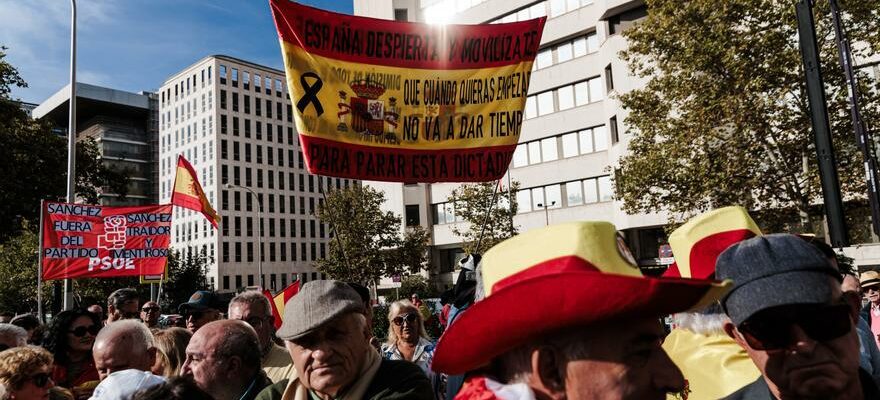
134,45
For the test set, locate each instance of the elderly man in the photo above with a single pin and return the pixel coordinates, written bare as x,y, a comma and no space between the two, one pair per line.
223,357
325,333
12,336
203,307
567,314
122,304
150,313
788,312
253,307
122,345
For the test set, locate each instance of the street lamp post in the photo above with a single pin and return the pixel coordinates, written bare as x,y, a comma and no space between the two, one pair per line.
260,218
547,213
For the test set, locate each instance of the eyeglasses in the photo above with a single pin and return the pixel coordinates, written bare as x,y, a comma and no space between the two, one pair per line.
82,330
150,309
408,318
41,379
774,332
256,322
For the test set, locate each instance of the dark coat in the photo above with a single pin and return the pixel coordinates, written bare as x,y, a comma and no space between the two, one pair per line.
394,380
758,390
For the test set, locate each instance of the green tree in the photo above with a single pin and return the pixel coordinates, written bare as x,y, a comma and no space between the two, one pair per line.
368,242
474,204
18,269
186,275
33,160
724,118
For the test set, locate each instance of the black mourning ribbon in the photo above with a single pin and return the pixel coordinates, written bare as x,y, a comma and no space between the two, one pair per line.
311,93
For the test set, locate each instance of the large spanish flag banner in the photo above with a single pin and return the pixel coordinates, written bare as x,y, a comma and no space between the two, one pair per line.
84,241
405,102
188,192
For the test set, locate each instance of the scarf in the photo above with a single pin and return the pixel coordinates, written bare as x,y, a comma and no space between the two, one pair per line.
296,391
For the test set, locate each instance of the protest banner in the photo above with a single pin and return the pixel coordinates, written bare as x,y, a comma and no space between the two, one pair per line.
84,241
405,102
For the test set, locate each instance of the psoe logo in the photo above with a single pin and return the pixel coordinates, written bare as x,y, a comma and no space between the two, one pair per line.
114,233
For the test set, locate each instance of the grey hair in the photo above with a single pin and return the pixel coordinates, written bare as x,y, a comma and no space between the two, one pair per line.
251,297
515,366
138,331
704,324
120,296
17,332
392,312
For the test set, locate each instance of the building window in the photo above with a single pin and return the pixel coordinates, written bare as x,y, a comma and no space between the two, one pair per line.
609,78
612,124
620,22
223,98
401,14
412,215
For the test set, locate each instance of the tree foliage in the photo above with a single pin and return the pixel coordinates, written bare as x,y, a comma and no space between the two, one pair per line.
724,117
484,212
368,242
33,160
18,273
186,275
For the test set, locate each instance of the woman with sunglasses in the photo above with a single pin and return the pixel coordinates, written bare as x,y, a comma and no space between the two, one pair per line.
25,373
69,338
408,340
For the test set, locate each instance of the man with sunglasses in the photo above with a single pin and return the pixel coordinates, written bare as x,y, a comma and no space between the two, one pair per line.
150,312
253,308
203,307
870,283
788,312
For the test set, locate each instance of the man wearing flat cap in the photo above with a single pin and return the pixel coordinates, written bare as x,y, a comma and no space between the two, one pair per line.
326,334
568,315
788,312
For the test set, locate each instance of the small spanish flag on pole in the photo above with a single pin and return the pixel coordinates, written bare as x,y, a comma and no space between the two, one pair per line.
278,301
188,192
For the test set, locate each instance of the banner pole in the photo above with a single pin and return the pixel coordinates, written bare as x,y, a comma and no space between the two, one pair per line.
332,225
71,140
40,268
488,212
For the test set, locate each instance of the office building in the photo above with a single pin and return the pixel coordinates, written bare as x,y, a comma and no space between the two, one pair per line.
232,120
123,125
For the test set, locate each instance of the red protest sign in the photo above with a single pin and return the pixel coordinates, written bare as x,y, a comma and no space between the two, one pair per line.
83,241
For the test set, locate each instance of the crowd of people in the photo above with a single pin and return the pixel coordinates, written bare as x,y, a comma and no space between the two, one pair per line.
561,312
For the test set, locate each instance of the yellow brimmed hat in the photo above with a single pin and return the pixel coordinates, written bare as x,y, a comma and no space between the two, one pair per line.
869,278
564,275
697,244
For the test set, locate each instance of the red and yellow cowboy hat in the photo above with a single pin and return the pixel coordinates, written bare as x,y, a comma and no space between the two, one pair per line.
560,276
698,243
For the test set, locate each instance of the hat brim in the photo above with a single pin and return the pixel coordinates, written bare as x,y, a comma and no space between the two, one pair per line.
869,282
793,287
541,305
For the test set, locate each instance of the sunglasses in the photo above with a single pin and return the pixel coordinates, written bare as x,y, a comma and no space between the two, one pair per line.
150,309
408,317
82,330
40,380
871,289
774,332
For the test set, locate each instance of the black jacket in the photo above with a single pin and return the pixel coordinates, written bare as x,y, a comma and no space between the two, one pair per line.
758,390
394,380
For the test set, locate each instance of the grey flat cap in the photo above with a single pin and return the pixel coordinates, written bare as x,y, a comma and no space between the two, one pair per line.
317,303
773,270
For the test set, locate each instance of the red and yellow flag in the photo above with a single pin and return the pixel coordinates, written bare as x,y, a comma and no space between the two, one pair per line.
278,301
188,192
405,102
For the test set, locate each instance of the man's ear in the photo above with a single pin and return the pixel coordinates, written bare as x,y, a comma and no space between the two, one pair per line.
234,365
548,373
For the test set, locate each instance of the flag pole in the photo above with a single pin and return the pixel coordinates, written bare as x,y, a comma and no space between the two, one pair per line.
71,140
40,268
488,213
332,225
